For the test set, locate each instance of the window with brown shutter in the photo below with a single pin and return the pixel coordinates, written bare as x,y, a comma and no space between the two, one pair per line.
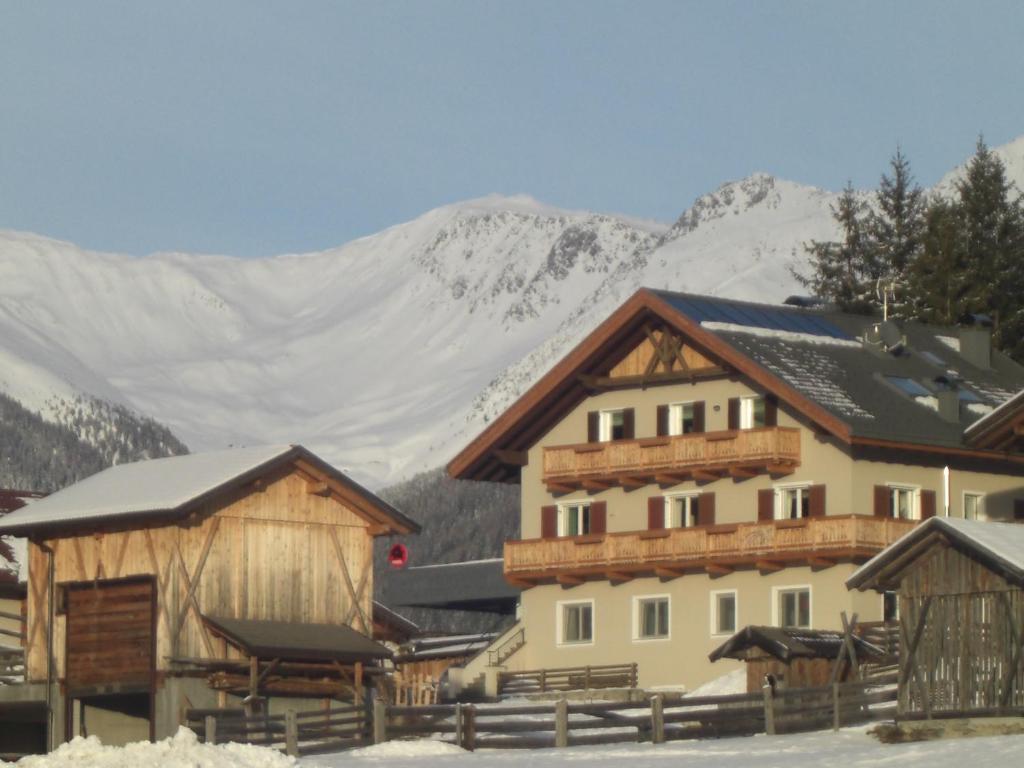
655,513
927,504
734,413
817,505
662,420
766,504
882,494
598,517
593,426
698,416
549,522
771,411
706,509
628,424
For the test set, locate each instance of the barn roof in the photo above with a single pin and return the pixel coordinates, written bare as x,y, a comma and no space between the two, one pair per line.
999,546
292,640
788,643
176,485
474,585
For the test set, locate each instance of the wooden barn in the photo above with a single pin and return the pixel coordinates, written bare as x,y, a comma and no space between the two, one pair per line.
960,589
198,581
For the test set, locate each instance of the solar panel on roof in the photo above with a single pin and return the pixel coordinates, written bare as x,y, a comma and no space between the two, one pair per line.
754,316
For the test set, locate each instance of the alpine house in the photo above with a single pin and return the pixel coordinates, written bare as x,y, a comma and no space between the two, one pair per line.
696,465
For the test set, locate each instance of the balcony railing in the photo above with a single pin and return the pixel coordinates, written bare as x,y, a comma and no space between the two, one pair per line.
769,449
716,548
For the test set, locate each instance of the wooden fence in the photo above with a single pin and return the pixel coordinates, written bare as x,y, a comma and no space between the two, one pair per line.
296,733
568,679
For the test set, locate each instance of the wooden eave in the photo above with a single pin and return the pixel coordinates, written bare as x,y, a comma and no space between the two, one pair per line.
943,450
564,386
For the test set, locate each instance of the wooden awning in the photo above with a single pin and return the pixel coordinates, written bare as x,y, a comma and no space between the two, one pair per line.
297,641
786,644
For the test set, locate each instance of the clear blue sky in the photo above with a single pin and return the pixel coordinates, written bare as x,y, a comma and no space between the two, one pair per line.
253,128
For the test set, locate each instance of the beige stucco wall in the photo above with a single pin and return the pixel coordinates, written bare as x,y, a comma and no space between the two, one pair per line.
682,659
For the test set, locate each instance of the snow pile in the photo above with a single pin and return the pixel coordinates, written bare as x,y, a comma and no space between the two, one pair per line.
182,750
415,748
729,683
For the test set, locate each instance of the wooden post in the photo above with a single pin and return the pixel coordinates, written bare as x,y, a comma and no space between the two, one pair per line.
358,681
633,675
657,719
291,733
769,710
836,717
586,678
562,723
380,721
211,729
543,680
458,725
469,728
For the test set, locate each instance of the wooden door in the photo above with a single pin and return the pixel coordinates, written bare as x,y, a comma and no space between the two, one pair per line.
110,637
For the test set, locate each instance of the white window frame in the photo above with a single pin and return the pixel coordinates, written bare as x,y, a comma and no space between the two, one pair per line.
669,504
980,513
604,423
915,499
560,640
560,517
780,491
675,417
714,611
637,600
747,411
777,595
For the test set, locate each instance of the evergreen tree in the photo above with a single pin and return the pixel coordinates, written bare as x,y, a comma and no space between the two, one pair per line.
936,278
845,272
897,225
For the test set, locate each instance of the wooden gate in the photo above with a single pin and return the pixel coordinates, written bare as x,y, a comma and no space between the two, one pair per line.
110,638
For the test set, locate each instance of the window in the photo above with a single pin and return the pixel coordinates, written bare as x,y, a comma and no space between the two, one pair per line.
890,607
792,502
903,503
651,618
792,607
612,425
752,412
723,612
682,418
682,511
909,386
576,622
973,509
574,518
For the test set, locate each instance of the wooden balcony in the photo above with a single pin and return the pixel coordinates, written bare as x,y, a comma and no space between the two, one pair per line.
670,460
716,549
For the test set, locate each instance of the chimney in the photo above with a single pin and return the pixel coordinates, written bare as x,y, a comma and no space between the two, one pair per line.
949,404
976,346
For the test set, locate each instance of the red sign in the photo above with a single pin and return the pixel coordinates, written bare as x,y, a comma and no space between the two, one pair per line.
398,556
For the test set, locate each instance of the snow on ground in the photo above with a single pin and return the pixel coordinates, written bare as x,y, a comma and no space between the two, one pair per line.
729,683
850,748
183,750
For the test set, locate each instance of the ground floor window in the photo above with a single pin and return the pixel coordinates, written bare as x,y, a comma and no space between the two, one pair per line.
576,622
793,607
723,612
574,519
651,618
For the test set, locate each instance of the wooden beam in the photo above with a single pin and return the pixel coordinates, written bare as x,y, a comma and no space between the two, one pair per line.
568,580
714,570
780,470
704,476
768,566
318,488
596,486
631,483
515,458
618,577
667,574
259,485
520,583
559,487
742,473
670,478
820,563
598,383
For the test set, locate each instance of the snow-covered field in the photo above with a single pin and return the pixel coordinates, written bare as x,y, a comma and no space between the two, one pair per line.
850,748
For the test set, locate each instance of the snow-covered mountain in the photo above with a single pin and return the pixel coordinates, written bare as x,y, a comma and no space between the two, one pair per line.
388,353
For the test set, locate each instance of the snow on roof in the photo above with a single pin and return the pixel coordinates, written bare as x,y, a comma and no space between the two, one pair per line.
1002,543
784,335
155,485
994,415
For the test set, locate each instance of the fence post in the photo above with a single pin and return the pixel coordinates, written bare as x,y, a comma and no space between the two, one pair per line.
291,733
469,728
543,680
380,721
633,674
562,723
769,710
211,729
657,719
458,725
586,678
836,716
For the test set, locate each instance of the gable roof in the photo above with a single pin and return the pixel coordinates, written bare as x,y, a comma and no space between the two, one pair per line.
814,360
1000,428
176,485
475,585
1000,546
788,643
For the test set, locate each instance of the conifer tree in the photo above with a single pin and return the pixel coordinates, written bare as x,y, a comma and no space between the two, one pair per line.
936,278
897,225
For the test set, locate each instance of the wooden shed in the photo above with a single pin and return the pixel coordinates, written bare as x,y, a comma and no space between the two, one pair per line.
190,580
960,590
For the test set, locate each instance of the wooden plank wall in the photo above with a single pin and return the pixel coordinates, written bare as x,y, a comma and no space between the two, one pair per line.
280,553
968,655
636,361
